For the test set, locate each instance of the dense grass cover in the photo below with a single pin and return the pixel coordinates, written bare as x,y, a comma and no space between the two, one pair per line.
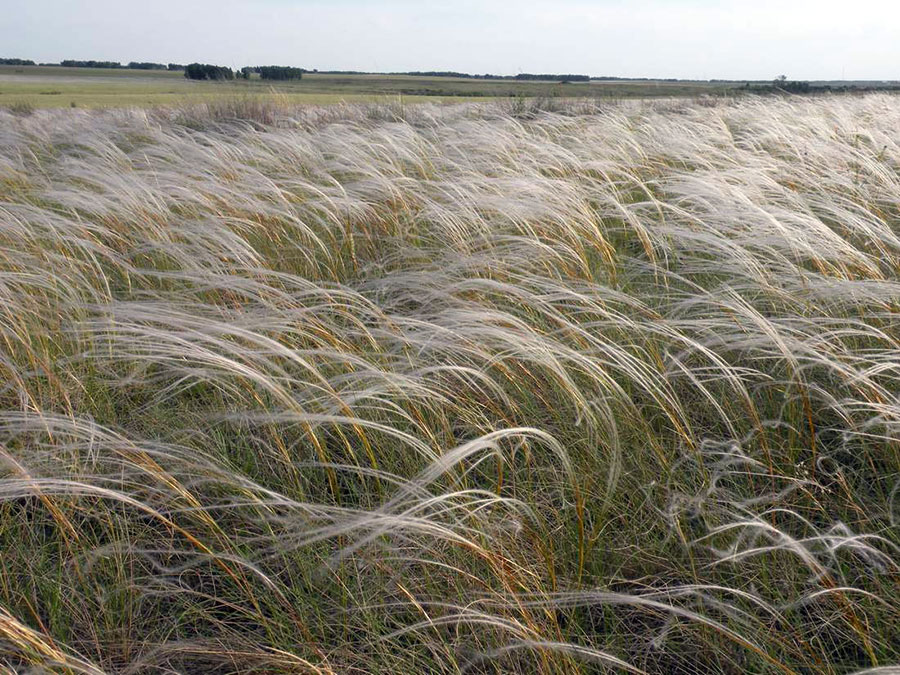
433,390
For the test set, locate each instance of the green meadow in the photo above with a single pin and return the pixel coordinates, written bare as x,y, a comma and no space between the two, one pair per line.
54,87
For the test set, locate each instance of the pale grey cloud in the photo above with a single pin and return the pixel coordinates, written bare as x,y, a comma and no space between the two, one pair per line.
808,39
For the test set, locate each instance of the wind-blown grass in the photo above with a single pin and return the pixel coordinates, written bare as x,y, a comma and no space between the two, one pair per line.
465,389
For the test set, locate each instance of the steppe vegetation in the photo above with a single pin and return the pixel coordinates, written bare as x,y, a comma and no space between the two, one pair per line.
479,388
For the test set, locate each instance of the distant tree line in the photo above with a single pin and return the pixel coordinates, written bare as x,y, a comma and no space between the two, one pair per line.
133,65
175,66
546,76
207,71
72,63
794,87
280,73
782,84
16,62
146,65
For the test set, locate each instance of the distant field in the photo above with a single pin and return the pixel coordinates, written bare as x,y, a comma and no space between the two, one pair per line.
53,87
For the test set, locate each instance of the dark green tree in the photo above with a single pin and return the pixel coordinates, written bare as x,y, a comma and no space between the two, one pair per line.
280,73
207,71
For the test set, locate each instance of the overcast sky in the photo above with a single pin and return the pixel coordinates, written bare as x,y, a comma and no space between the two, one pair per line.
740,39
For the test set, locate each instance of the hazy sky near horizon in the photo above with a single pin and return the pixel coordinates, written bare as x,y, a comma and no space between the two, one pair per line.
740,39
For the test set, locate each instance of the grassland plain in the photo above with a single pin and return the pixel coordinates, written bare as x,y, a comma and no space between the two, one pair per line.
53,87
435,389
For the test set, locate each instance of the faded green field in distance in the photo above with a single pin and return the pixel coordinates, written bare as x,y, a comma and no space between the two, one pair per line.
53,87
508,387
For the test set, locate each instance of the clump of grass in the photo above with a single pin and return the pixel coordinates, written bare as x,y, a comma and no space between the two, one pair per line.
21,108
255,109
451,388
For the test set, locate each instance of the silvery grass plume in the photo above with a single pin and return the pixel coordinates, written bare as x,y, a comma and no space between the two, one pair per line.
475,388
